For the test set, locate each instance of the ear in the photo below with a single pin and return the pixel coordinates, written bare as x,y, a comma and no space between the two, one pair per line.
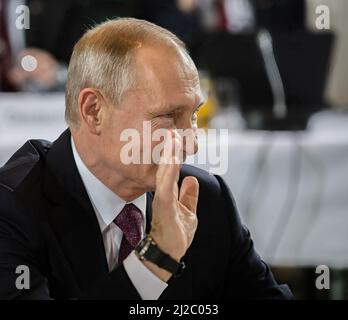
90,107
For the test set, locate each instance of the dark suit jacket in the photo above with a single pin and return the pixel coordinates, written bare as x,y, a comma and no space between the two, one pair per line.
48,224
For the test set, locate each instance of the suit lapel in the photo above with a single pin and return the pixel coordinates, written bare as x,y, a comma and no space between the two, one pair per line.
71,215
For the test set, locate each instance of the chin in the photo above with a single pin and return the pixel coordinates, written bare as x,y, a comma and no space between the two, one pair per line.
146,179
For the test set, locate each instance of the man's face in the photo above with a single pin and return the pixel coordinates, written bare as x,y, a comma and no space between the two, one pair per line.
167,97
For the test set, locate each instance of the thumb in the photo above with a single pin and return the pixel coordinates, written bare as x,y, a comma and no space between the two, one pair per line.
189,193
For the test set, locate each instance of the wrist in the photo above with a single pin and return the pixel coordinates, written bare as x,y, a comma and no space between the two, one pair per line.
162,274
158,261
173,253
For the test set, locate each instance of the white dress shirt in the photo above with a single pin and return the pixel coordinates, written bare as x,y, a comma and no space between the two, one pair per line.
107,205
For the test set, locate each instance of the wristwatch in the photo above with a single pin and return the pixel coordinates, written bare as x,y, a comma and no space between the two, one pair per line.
147,249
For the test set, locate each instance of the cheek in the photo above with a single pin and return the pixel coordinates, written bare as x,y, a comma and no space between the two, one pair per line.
112,145
162,123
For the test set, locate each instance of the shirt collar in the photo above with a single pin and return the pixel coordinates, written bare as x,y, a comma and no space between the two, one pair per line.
107,205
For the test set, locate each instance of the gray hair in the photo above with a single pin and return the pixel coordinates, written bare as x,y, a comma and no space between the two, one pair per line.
103,59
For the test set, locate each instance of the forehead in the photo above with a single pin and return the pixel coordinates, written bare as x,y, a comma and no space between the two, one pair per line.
164,70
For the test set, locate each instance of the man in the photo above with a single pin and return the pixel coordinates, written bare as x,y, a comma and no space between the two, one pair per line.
73,212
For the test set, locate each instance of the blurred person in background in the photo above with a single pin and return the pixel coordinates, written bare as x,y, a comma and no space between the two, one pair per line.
179,16
54,28
247,15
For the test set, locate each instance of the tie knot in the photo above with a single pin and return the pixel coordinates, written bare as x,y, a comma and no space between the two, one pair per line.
129,220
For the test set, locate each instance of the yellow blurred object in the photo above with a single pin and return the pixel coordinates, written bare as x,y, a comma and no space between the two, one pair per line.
208,109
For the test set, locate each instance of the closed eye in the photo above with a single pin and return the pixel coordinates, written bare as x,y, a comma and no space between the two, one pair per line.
168,115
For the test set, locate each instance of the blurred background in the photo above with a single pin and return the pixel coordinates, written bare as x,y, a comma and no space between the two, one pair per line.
274,74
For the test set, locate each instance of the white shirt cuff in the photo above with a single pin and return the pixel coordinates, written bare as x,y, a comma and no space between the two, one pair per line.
148,285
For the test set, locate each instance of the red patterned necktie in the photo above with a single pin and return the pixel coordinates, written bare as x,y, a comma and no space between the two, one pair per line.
130,221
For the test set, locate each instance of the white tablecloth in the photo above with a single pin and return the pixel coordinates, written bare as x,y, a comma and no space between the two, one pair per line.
291,188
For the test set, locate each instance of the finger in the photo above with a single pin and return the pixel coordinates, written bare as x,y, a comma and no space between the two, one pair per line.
189,193
172,147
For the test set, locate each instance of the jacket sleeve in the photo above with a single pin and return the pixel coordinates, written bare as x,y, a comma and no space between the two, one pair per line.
248,276
20,246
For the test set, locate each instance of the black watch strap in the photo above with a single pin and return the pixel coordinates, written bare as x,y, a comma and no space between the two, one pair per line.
148,250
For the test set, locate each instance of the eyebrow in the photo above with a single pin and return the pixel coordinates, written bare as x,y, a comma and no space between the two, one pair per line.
174,108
